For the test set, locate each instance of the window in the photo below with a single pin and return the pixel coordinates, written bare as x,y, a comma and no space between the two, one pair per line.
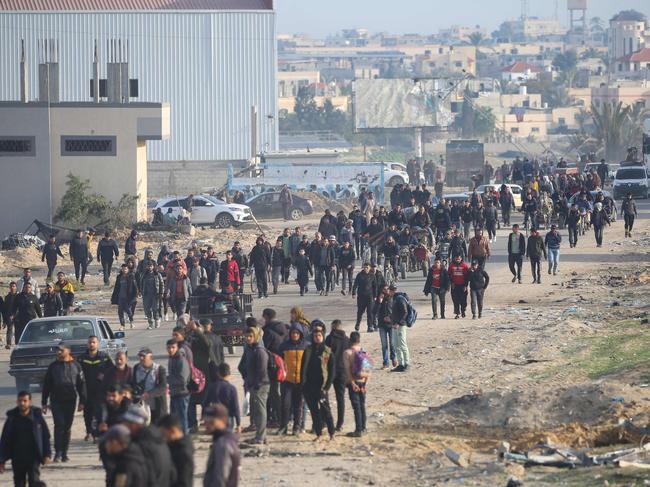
459,64
175,203
562,121
514,130
200,202
17,146
534,129
57,330
82,145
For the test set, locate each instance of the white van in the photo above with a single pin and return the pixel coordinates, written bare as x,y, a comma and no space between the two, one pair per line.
632,179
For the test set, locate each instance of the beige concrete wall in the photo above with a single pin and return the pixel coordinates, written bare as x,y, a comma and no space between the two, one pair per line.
24,181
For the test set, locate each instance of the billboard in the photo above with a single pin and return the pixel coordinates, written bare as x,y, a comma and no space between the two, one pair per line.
401,103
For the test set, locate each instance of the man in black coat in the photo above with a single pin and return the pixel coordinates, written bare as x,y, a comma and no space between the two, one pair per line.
224,457
275,332
181,448
125,292
51,253
478,281
25,441
365,287
437,285
79,255
339,343
157,457
25,308
107,251
260,259
126,465
94,364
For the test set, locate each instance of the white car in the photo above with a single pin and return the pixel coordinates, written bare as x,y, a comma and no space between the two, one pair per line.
515,189
395,173
208,210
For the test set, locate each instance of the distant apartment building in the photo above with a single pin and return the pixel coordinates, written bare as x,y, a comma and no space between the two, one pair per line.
444,59
458,33
627,92
628,32
634,65
535,28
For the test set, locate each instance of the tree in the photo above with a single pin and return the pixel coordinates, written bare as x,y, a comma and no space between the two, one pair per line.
610,122
596,24
476,38
81,207
567,63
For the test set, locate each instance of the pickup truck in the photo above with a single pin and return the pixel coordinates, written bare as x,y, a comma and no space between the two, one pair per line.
37,346
228,314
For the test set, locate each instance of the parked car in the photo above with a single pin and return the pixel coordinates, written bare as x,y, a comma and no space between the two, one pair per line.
36,347
395,173
632,179
267,205
208,210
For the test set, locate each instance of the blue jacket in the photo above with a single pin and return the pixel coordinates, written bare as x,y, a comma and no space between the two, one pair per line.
39,429
553,240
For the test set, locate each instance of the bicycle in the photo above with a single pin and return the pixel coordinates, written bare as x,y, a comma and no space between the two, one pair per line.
389,274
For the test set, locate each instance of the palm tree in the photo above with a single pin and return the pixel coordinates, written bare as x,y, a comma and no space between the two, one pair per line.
611,121
476,39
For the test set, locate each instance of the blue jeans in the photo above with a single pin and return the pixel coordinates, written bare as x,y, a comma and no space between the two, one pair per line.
386,336
179,406
358,400
553,260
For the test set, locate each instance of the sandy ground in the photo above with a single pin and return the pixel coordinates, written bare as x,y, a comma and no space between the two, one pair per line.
560,362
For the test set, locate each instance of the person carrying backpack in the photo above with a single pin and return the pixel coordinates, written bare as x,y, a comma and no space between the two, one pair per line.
402,319
292,351
357,368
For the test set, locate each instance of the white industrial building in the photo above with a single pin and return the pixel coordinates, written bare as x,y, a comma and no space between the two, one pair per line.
211,60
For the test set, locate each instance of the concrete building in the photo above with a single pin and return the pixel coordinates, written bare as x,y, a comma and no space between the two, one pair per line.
41,143
534,28
519,71
627,33
634,65
212,60
626,92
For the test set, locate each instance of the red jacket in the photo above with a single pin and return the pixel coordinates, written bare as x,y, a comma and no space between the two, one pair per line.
458,273
229,273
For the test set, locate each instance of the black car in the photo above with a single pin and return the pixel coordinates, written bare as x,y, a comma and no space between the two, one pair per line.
36,347
267,205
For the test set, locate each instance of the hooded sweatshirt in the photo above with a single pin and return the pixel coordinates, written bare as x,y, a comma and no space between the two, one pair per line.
292,352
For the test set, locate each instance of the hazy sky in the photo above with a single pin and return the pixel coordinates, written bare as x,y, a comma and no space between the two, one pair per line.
321,17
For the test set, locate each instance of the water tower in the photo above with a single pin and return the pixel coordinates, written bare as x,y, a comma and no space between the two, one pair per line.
577,15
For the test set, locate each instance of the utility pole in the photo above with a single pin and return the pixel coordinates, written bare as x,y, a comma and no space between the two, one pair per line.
524,9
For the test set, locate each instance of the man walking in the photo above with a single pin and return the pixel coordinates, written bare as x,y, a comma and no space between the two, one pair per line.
357,373
534,251
257,382
8,313
516,252
107,251
286,200
365,290
458,275
152,289
628,208
339,343
51,253
177,379
437,285
125,292
400,312
25,308
94,364
25,441
572,222
598,220
64,382
552,241
224,456
260,259
479,248
79,255
478,282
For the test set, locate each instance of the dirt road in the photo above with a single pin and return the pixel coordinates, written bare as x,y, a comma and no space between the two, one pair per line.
561,362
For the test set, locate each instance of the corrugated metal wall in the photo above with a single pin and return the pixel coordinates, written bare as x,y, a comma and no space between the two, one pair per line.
210,66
